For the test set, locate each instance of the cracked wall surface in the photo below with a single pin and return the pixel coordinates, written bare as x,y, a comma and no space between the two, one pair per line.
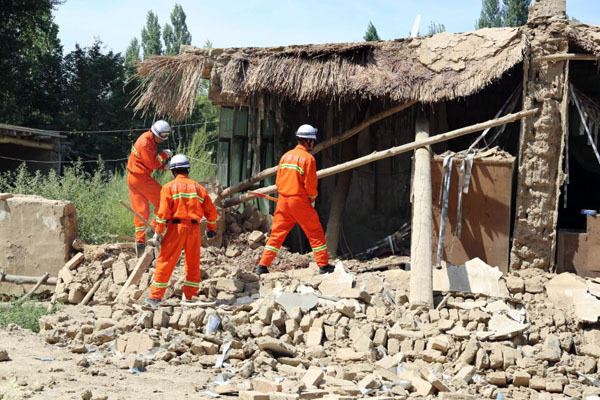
541,148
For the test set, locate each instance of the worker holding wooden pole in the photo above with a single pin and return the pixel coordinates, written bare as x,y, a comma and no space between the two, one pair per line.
421,254
142,162
297,185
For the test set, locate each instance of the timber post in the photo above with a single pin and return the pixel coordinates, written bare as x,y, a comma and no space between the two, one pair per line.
421,253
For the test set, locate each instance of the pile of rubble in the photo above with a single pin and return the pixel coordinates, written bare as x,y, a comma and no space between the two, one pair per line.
300,335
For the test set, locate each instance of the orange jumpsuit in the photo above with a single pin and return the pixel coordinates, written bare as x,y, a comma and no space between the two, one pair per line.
143,160
297,185
183,203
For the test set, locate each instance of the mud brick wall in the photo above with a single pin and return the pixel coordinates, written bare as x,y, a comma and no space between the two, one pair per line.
35,237
541,148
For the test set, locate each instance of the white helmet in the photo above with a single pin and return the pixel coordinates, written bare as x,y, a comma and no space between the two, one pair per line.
179,161
161,129
307,132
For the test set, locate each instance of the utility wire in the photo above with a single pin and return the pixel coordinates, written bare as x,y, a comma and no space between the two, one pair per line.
136,129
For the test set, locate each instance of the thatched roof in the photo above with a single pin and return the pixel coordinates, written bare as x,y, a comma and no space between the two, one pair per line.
585,36
440,67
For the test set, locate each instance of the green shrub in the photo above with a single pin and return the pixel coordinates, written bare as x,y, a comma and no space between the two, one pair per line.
96,195
25,315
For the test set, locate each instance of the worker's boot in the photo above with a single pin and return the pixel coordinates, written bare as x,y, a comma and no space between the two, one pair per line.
139,248
152,303
327,269
261,269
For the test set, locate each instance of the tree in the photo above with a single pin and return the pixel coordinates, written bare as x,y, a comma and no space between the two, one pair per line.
30,64
509,13
435,28
132,55
151,36
177,34
516,12
371,33
95,100
491,14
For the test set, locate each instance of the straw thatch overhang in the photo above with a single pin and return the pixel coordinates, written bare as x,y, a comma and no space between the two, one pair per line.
585,36
430,69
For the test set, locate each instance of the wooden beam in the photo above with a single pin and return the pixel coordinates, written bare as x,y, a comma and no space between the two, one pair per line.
142,266
238,187
93,290
565,57
20,280
394,151
33,289
5,196
421,253
28,143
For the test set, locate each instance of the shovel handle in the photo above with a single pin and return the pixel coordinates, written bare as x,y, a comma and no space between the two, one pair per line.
127,206
264,196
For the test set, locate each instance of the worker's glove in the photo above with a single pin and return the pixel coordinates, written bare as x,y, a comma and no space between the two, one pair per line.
313,204
168,152
157,237
211,234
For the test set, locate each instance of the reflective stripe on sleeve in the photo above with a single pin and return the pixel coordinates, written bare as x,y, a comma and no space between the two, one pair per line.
135,151
160,220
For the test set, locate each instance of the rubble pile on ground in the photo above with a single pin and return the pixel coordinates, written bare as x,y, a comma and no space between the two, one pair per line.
297,334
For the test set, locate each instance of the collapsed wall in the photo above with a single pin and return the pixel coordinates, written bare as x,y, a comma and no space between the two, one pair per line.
542,140
35,237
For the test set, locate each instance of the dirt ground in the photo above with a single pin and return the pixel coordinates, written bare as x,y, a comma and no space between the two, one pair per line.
25,376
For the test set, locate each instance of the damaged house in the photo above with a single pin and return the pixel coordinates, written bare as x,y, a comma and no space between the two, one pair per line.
511,194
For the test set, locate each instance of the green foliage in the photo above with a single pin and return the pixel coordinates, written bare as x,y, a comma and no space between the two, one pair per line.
435,28
491,14
509,13
96,194
132,55
151,36
30,67
25,315
371,33
95,99
516,12
177,34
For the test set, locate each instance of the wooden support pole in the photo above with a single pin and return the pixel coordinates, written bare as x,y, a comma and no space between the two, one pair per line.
33,289
338,202
93,290
421,253
565,57
142,266
20,280
319,147
394,151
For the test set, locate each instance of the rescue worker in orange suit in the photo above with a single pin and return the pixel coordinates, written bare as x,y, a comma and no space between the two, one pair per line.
143,160
183,203
297,185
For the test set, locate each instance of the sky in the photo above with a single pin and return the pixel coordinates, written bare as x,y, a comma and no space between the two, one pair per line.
244,23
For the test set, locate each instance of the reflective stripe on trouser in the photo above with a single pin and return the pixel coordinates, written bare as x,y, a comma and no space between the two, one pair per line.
289,211
183,236
142,189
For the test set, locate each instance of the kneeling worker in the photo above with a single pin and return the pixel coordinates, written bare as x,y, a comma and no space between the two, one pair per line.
297,185
183,203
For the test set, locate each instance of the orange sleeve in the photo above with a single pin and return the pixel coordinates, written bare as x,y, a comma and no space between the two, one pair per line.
165,209
152,160
210,212
310,178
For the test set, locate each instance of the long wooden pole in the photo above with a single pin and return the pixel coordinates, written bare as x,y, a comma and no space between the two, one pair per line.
264,174
127,206
19,279
566,56
379,155
421,255
33,289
